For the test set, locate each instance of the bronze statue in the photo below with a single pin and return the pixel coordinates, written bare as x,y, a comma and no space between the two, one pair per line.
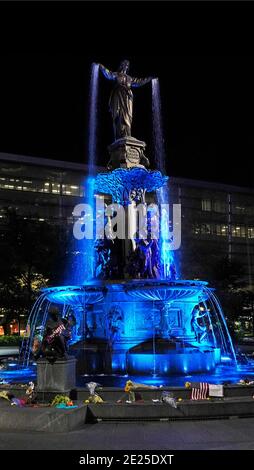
199,330
121,98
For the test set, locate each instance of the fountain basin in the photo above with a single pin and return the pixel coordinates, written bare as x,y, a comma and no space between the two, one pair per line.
139,327
187,361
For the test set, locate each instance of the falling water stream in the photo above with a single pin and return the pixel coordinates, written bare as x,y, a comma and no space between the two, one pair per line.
223,324
159,147
83,261
88,265
92,126
166,254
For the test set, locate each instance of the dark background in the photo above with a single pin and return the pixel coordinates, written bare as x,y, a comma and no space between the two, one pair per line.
199,52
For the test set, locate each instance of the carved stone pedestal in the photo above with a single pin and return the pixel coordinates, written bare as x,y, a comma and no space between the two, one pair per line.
57,377
127,152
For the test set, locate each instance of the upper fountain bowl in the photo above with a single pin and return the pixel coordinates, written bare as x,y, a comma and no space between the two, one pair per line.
139,289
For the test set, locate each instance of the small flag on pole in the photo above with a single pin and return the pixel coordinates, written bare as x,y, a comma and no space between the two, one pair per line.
199,390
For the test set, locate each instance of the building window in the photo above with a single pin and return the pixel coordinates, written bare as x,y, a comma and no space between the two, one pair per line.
70,189
219,206
56,188
24,185
239,231
41,187
250,232
211,229
206,205
221,230
209,205
204,229
250,210
14,327
28,186
238,209
196,229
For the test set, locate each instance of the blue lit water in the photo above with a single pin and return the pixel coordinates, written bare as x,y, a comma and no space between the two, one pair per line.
22,375
168,260
229,374
223,373
158,138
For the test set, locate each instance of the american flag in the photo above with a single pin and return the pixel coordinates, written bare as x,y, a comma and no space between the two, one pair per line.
57,332
199,390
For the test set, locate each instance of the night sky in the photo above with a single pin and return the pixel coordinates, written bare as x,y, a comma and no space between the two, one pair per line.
207,102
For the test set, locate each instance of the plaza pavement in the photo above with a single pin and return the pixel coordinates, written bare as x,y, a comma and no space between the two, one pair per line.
229,434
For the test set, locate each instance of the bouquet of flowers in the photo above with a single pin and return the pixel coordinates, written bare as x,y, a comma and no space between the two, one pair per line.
61,400
93,397
167,397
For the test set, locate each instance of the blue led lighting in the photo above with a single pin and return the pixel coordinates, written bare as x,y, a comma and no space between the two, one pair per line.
121,182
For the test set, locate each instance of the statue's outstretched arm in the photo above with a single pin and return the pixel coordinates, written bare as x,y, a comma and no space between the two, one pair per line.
137,82
107,73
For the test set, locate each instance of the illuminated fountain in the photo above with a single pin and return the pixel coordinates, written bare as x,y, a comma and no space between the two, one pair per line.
142,327
134,315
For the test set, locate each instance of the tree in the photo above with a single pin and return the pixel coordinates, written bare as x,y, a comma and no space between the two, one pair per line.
33,255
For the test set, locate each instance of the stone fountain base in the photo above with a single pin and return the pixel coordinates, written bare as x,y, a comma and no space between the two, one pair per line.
57,377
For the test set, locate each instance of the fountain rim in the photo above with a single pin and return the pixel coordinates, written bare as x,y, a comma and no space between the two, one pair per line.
136,283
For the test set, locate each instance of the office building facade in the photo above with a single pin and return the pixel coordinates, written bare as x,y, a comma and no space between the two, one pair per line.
217,219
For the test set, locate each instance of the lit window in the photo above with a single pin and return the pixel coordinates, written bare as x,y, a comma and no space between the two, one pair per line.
70,190
250,232
14,326
206,228
221,230
203,229
239,231
56,188
206,205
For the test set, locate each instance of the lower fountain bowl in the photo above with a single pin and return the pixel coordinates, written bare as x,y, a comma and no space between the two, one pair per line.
187,362
139,289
